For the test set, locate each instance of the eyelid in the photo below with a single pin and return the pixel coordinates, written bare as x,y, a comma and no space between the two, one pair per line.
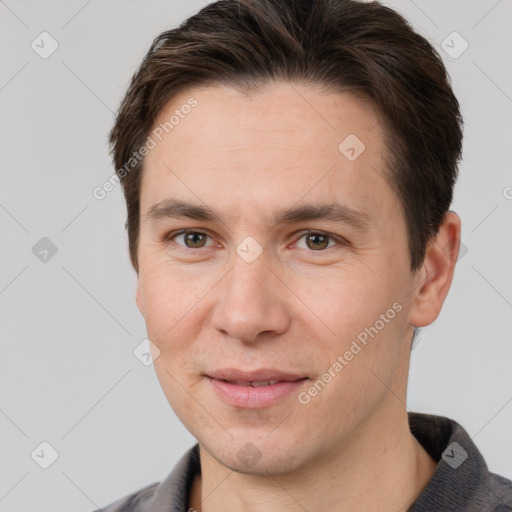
338,239
297,236
173,234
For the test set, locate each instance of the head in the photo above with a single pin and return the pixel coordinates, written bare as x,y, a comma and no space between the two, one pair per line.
310,150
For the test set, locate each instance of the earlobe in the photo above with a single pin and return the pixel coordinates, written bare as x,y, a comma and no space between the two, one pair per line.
434,280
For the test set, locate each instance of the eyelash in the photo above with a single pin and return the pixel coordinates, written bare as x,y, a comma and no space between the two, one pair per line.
340,241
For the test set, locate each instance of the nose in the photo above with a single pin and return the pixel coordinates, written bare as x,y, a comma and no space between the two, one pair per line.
251,303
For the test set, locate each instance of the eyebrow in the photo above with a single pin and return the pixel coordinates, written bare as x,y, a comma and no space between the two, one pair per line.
336,212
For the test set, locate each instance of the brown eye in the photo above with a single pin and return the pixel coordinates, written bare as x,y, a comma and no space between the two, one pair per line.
316,241
191,239
195,239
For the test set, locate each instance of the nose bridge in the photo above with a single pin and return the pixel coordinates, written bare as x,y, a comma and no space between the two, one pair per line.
247,283
250,268
249,303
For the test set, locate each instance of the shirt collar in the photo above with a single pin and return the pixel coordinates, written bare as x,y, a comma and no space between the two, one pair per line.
460,481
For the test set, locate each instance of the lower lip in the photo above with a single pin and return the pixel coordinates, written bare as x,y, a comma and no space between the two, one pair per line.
254,398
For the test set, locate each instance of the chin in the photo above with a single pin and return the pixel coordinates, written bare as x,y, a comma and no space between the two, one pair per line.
253,455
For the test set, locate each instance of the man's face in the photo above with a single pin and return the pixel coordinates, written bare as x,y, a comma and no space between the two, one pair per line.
212,301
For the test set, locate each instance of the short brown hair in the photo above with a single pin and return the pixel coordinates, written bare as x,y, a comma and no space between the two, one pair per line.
341,45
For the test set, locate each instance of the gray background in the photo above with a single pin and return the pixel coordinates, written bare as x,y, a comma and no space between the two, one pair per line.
69,325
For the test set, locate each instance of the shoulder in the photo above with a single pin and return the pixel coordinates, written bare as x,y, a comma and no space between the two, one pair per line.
135,502
166,496
462,480
501,491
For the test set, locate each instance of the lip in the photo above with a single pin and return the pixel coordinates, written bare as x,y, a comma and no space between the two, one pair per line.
234,374
238,393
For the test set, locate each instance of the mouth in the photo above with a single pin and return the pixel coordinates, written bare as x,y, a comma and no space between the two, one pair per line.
263,375
256,389
256,383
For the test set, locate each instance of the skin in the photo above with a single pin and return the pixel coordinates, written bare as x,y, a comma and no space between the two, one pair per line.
296,307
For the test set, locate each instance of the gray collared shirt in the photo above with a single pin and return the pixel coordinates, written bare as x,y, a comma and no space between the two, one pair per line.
461,481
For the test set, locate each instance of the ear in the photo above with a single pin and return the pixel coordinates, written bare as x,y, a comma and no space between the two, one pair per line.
140,300
433,280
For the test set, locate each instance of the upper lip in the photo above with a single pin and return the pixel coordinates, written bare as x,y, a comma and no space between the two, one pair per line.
263,374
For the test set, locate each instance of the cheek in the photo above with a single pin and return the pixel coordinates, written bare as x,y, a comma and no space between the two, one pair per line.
178,387
360,317
172,301
345,299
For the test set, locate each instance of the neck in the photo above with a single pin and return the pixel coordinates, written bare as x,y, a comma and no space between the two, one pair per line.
381,467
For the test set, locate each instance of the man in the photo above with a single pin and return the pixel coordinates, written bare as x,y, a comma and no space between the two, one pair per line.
288,168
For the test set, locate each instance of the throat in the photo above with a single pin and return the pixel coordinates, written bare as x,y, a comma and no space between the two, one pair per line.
194,498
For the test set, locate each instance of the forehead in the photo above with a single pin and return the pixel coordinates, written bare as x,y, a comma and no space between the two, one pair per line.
285,140
278,111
